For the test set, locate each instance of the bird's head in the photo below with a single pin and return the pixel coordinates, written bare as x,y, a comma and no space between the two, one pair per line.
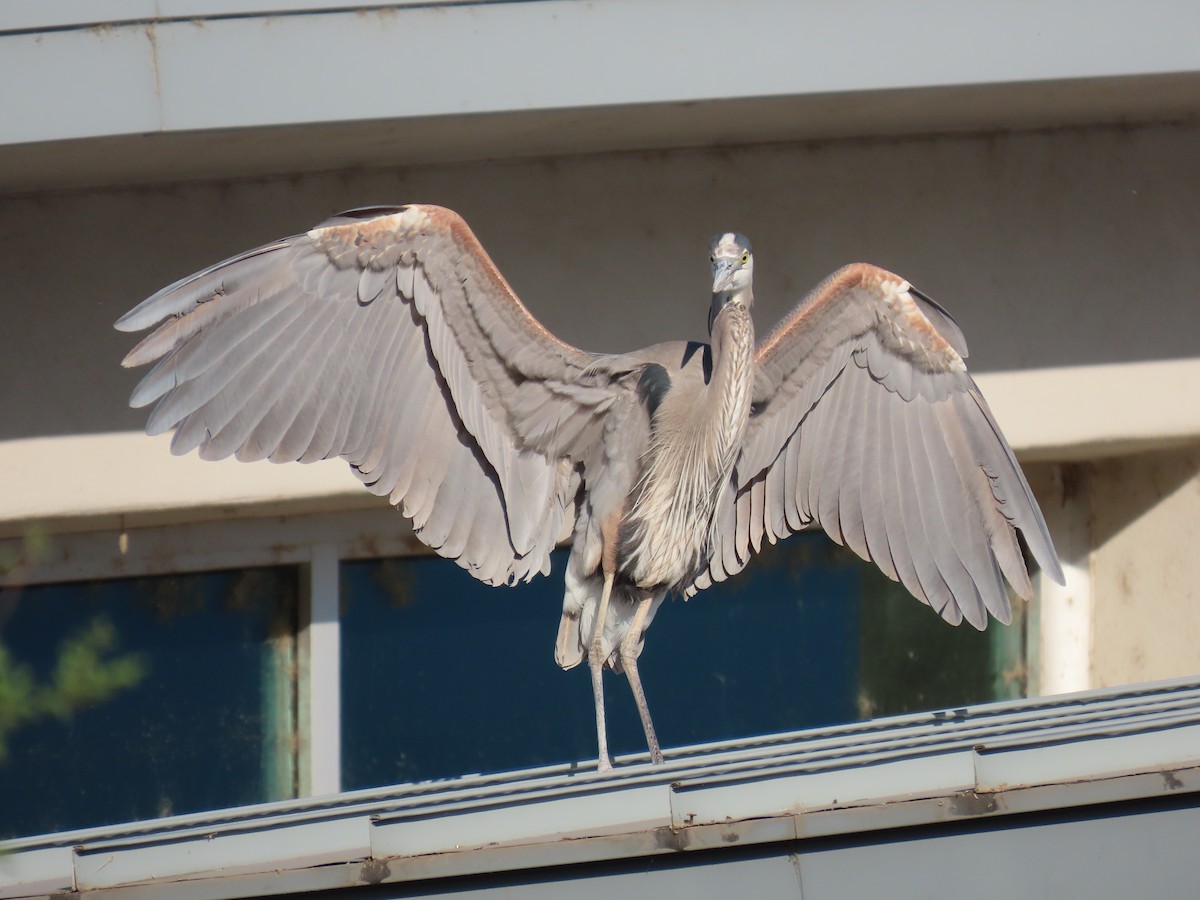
732,263
732,272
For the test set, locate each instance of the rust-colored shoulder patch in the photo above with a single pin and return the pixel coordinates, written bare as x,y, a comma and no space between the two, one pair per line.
871,285
406,221
441,241
838,284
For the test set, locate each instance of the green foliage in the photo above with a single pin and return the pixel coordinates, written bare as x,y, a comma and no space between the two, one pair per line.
16,692
86,673
88,670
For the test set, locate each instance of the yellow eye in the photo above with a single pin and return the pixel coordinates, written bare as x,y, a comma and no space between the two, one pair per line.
745,257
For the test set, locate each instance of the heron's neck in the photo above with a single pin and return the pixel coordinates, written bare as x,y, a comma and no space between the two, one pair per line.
743,297
732,380
732,333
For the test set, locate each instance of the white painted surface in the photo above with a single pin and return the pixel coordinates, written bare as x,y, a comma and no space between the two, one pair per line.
1145,527
321,644
554,54
40,15
1090,411
131,480
1066,610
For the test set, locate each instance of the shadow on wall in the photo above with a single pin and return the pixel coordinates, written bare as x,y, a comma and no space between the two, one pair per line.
1038,243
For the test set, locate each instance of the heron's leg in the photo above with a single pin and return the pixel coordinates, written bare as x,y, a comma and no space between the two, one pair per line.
596,664
629,663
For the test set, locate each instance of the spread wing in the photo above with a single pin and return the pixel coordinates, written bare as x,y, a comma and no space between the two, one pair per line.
866,421
386,337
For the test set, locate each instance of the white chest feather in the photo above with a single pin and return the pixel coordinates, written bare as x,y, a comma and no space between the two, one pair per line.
692,450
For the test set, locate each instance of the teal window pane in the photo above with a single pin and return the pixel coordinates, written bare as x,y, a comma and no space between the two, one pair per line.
913,661
443,676
192,697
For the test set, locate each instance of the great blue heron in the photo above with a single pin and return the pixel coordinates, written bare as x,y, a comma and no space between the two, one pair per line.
386,336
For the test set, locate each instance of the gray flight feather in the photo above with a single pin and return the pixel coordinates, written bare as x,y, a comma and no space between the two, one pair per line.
388,338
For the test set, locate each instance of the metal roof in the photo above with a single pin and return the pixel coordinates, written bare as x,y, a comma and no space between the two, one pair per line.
957,765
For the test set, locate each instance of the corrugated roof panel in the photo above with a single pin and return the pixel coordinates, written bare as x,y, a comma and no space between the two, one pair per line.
1080,759
855,781
965,764
265,848
525,820
40,870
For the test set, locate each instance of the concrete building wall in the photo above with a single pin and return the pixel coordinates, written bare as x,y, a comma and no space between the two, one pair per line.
1145,525
1052,249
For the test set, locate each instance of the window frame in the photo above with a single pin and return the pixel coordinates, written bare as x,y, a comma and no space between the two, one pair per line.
315,542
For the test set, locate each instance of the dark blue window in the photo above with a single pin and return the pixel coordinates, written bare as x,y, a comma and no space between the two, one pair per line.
444,676
207,722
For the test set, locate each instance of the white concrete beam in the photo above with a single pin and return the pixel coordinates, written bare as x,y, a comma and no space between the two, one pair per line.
297,66
1066,610
128,480
320,674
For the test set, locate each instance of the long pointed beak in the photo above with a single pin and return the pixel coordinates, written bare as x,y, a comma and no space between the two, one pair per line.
723,272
